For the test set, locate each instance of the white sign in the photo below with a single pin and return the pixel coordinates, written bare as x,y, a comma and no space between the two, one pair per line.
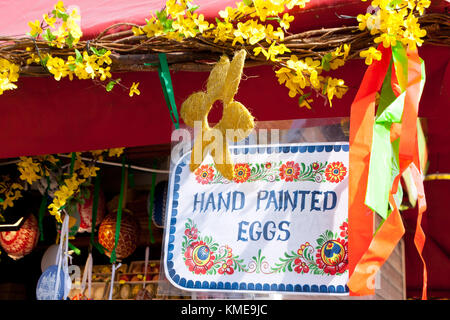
279,226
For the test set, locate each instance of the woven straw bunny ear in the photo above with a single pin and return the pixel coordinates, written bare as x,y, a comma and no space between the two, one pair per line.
236,123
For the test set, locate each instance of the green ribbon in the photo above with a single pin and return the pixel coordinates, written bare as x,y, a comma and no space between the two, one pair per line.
166,84
42,208
93,243
150,207
41,215
119,213
75,249
384,159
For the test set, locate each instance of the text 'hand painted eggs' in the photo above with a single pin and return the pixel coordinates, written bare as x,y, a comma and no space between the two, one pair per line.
128,236
18,244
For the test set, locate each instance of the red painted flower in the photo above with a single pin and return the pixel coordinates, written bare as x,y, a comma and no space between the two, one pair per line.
199,258
344,230
315,166
226,267
300,266
289,171
302,248
204,174
191,233
333,257
335,172
268,165
242,172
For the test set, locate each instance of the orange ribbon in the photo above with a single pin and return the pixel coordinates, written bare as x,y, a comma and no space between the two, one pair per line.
360,218
392,230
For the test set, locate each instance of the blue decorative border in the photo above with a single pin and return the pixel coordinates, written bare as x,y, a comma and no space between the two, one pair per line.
243,286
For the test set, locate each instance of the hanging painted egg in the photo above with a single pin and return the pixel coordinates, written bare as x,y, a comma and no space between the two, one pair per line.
85,211
128,236
18,244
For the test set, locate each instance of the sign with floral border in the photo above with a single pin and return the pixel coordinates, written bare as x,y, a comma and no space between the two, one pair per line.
279,226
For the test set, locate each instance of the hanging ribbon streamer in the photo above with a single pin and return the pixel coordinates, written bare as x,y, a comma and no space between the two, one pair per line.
419,236
62,257
42,210
382,158
147,253
360,220
87,276
72,162
166,84
93,243
119,211
122,201
113,275
402,153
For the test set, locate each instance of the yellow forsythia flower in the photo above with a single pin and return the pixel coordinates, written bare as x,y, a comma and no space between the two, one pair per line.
370,54
35,28
134,89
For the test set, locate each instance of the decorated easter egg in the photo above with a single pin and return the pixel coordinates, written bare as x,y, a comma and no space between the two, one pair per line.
18,244
85,210
128,237
332,253
46,288
49,257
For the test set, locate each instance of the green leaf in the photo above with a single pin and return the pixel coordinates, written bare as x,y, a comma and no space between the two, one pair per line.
218,21
192,7
326,61
161,16
48,36
111,84
320,241
395,3
303,97
324,91
78,56
69,40
248,3
289,267
62,15
44,61
97,52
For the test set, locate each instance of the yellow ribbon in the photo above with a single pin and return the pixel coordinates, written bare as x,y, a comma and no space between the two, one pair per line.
236,123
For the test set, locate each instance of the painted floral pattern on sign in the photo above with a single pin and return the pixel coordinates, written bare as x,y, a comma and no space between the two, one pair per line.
329,255
289,171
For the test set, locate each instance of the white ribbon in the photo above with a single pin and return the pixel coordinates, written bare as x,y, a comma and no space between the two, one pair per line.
62,256
87,275
113,272
145,266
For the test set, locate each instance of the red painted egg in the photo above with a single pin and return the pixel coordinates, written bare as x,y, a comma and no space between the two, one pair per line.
18,244
128,237
85,211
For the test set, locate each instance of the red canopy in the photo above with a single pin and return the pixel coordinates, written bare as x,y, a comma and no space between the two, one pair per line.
45,116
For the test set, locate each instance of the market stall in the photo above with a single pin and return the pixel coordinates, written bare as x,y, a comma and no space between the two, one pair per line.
118,80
